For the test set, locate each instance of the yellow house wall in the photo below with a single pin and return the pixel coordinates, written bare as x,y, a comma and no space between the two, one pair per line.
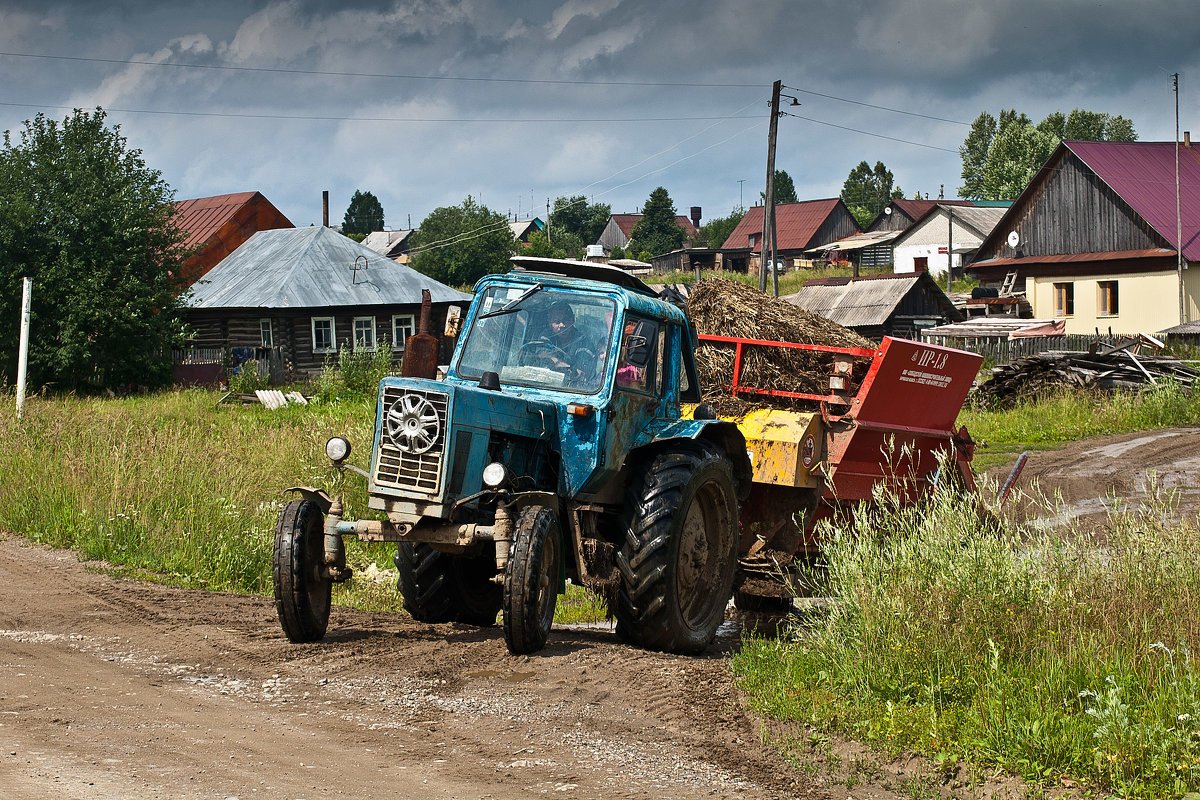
1147,301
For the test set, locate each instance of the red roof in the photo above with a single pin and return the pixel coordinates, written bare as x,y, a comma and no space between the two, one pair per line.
917,208
1143,174
796,224
626,223
215,226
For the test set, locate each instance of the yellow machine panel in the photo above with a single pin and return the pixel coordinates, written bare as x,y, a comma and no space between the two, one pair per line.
785,447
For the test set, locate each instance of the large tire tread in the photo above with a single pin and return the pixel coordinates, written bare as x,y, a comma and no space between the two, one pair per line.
302,600
527,622
648,611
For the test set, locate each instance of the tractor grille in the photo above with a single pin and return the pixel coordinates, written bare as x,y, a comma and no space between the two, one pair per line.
411,471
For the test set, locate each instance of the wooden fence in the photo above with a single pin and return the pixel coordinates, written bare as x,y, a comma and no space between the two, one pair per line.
1001,350
210,365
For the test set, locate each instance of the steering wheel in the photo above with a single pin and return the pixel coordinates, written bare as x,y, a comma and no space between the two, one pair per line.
541,350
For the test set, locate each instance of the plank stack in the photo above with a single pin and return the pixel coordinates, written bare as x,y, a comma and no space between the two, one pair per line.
1106,369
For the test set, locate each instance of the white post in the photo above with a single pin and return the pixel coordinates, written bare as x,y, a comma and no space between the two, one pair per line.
23,353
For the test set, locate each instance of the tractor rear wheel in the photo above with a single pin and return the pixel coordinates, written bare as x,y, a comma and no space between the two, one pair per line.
439,587
302,593
531,580
680,552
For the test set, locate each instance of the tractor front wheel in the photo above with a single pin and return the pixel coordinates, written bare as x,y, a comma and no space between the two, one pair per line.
680,552
302,592
531,580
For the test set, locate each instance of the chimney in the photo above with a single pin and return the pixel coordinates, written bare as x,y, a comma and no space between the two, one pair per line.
1187,138
325,208
696,216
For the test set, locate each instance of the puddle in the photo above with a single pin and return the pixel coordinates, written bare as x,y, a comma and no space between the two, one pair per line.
1118,449
1070,511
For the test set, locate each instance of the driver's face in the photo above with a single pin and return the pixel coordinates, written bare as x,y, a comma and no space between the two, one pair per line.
558,323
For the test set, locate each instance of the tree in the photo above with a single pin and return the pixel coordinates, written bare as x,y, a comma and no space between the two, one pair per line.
364,214
575,215
785,189
460,244
999,157
867,190
92,224
714,232
658,231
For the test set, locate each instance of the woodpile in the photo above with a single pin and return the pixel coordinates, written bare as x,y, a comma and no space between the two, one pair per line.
1108,369
721,307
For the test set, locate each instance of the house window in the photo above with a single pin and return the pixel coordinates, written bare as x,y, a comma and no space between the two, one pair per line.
323,334
1064,299
1108,304
403,326
264,333
364,333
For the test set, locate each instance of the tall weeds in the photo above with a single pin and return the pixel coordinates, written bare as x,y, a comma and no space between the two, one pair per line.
1049,654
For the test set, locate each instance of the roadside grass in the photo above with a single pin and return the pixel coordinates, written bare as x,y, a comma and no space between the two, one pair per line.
175,489
1049,655
1040,424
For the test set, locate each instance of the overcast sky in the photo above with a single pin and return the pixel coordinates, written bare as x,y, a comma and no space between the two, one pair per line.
517,102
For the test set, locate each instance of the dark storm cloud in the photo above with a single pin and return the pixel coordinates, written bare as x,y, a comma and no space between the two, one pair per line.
933,57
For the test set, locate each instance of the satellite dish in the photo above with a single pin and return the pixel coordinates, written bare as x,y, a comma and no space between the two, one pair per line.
888,210
1014,238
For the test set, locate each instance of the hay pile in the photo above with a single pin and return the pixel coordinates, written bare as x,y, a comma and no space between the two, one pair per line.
722,307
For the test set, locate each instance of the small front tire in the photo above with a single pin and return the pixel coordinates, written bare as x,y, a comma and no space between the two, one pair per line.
531,580
302,593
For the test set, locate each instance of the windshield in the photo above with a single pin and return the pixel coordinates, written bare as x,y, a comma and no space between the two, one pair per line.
550,340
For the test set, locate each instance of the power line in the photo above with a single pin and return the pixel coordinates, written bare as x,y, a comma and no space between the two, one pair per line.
329,118
340,74
868,133
880,108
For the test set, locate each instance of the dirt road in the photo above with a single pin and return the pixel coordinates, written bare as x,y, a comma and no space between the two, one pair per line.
1130,467
116,689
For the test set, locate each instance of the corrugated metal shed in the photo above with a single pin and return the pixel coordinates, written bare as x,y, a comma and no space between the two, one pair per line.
311,268
857,304
796,225
1143,174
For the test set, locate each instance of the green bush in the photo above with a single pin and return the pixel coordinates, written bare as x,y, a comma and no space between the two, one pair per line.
246,379
355,375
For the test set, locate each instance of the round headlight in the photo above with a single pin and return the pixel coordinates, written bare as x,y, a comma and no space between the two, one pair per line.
338,449
495,475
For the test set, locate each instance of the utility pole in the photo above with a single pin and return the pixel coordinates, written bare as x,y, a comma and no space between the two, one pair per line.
1178,210
768,232
950,249
23,347
547,220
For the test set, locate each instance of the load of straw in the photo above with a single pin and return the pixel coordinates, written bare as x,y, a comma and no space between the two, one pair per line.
727,308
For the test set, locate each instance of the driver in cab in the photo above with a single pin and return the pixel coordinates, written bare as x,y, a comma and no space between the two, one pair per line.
570,350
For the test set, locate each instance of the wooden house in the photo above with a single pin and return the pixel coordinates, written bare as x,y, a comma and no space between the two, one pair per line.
799,227
216,226
879,305
393,244
946,235
308,292
619,230
1093,239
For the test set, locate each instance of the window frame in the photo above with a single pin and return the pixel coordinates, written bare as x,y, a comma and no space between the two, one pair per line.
654,367
332,334
398,341
1108,299
374,345
266,332
1064,298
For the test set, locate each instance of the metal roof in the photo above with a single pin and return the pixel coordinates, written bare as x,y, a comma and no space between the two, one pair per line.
627,222
1143,174
1075,258
311,268
388,243
858,303
857,241
201,217
796,224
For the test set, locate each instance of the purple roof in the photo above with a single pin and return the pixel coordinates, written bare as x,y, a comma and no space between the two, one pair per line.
1143,174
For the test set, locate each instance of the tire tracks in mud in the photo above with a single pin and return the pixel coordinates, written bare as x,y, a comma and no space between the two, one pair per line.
173,693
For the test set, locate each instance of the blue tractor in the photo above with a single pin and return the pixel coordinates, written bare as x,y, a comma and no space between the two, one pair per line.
553,449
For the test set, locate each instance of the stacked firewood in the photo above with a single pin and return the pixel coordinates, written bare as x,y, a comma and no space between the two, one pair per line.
1107,369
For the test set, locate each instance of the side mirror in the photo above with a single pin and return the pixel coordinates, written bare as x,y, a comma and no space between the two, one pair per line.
638,344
